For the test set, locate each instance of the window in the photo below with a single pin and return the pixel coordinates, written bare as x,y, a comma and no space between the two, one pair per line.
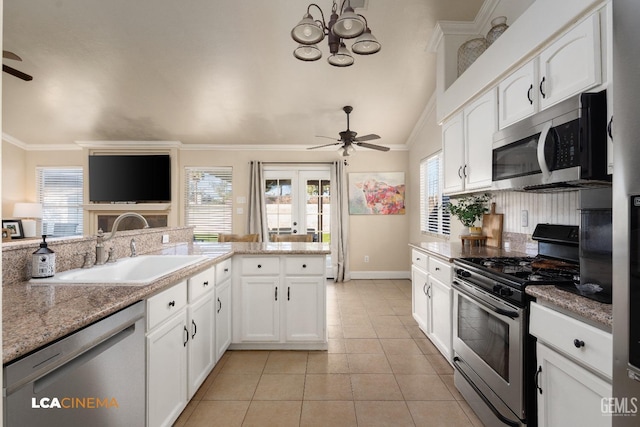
208,201
434,216
60,192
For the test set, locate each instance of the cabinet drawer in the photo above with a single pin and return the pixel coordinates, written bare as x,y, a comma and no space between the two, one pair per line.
200,283
302,266
162,306
259,266
560,331
419,259
440,270
223,271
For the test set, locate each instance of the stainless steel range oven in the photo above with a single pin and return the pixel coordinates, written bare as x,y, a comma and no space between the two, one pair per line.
494,355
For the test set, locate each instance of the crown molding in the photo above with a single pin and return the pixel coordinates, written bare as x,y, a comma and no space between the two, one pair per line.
38,147
129,144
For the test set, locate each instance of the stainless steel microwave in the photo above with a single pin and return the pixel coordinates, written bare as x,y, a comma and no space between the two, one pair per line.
561,147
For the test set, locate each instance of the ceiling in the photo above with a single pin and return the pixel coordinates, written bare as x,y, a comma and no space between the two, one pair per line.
210,72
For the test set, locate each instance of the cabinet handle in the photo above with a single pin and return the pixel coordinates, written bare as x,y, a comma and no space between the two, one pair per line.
195,329
226,270
288,293
538,372
276,293
186,337
205,283
172,303
219,305
529,94
609,128
424,290
544,95
429,292
464,171
578,343
460,172
418,259
437,268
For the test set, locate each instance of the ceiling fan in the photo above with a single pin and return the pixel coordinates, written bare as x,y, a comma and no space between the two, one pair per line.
10,70
348,139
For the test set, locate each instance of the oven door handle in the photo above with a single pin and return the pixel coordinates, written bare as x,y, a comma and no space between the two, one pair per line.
497,413
509,313
542,161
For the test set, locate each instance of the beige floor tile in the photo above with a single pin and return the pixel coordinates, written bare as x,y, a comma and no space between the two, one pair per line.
440,364
280,387
328,387
426,346
375,387
327,363
273,414
356,320
368,364
335,331
336,345
415,331
381,310
402,311
286,362
410,364
386,320
232,387
205,385
400,346
408,320
383,414
245,362
423,387
358,332
363,345
392,332
186,414
448,381
438,414
475,421
220,414
328,414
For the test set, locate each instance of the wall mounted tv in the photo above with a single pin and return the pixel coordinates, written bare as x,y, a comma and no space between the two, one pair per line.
129,178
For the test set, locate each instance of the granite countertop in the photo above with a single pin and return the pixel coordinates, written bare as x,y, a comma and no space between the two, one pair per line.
34,315
450,250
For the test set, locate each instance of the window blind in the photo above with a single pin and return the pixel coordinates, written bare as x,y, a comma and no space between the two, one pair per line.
60,192
434,215
208,201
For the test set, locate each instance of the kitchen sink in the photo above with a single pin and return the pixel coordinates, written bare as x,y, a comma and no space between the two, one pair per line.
135,271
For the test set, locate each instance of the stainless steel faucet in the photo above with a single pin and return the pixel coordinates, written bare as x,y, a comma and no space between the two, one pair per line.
100,259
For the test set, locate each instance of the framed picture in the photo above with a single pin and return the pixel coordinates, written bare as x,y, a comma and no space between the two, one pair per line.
14,226
376,193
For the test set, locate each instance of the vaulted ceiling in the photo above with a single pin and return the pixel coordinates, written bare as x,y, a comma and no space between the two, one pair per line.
211,72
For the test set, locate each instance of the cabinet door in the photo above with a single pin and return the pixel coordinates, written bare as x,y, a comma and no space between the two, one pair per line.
419,284
305,308
201,348
453,153
480,123
571,64
518,95
260,308
167,371
223,318
571,395
441,316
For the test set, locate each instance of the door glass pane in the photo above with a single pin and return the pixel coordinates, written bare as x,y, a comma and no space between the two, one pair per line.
317,210
485,334
278,201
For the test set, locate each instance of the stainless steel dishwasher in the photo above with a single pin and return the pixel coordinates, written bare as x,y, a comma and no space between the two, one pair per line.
93,377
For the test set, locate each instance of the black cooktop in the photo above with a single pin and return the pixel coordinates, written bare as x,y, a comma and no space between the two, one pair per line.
527,270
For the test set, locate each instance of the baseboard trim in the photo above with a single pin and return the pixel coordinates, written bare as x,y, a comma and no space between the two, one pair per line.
359,275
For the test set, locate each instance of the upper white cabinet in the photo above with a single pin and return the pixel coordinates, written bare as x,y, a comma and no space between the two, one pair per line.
467,139
570,65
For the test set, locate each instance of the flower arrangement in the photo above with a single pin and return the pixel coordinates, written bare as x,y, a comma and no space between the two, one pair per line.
470,209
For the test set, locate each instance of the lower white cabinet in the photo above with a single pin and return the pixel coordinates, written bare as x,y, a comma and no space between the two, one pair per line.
420,283
440,299
223,317
202,351
260,308
305,310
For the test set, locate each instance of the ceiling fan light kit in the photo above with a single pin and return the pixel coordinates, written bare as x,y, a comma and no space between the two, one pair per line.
346,25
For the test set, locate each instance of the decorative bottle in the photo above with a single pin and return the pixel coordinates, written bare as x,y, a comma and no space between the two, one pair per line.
43,261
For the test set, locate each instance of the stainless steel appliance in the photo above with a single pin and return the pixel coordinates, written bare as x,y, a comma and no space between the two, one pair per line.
94,377
561,147
626,186
494,356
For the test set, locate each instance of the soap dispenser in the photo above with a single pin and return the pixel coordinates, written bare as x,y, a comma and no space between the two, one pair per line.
43,261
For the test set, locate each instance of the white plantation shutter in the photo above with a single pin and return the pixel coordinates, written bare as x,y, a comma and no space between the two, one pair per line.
434,216
60,192
208,201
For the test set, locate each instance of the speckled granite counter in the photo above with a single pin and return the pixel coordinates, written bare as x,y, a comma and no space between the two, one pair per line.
450,250
35,315
593,311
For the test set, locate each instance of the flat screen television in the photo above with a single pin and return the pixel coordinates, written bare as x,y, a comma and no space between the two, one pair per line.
129,178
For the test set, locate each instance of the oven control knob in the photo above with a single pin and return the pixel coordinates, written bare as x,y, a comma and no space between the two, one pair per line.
497,288
506,292
463,273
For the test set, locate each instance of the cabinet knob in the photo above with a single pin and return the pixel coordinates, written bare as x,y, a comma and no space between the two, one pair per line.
205,283
226,270
578,343
304,265
437,268
259,265
172,303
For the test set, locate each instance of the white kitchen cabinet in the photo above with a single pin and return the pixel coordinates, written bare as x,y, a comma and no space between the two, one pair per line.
467,141
223,317
518,95
440,297
260,308
305,317
201,351
420,283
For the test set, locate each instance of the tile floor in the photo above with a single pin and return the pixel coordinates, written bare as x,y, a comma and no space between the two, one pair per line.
380,370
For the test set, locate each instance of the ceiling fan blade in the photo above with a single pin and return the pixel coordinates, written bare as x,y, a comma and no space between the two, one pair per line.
10,55
372,146
369,137
325,145
328,137
16,73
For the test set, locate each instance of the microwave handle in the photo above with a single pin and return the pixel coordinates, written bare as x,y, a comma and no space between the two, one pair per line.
541,145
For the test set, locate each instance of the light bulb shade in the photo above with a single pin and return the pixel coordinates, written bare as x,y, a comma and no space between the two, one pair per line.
342,58
307,31
348,25
366,44
27,210
307,52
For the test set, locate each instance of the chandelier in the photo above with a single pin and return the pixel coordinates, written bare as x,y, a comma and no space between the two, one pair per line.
347,25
